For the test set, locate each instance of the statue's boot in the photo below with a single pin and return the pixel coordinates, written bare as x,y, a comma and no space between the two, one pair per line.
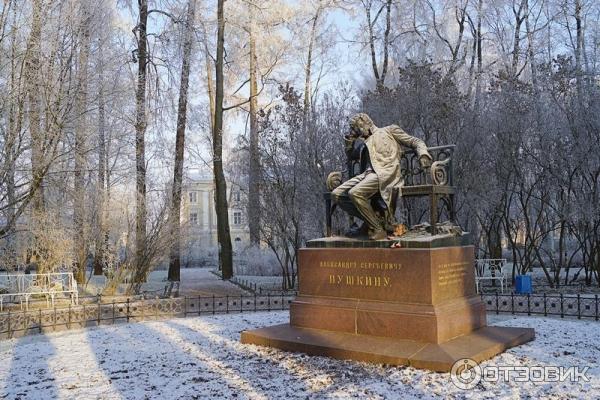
377,234
389,221
356,230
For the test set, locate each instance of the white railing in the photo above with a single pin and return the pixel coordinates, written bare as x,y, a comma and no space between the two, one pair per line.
491,269
24,286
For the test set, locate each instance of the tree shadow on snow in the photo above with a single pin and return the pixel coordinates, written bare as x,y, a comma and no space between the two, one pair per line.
28,372
141,362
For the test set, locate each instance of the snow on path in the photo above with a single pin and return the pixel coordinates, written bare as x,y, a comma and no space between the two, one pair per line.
200,358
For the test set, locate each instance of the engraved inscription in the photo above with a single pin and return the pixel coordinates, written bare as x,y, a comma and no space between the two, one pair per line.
452,273
362,265
360,280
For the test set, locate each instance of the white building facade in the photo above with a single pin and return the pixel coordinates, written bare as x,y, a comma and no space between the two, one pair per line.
199,220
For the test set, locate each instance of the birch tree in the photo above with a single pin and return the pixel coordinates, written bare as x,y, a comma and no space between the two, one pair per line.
175,256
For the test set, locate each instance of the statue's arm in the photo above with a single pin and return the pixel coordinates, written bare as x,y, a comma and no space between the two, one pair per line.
410,141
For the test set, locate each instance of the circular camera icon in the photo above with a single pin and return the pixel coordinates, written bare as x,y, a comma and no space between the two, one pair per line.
465,374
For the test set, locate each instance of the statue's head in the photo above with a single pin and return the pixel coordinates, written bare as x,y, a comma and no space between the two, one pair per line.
362,124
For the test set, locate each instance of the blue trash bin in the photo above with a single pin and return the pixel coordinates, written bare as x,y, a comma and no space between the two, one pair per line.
523,284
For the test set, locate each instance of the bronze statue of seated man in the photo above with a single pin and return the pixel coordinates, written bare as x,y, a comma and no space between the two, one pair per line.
379,151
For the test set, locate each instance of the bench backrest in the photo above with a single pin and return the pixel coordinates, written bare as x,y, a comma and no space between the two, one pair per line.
36,283
441,172
490,267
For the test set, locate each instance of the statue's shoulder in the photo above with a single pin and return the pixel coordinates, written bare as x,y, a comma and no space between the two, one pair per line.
392,128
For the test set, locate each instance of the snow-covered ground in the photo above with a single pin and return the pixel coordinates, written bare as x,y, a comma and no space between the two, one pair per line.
194,282
200,358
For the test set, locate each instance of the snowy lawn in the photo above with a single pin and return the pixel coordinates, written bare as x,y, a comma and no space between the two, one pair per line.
194,282
199,358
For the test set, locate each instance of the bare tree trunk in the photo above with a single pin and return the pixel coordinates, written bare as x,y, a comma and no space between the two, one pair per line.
379,77
33,79
531,53
209,79
386,43
102,226
479,40
222,208
140,133
175,256
578,52
14,129
519,18
308,69
254,170
79,217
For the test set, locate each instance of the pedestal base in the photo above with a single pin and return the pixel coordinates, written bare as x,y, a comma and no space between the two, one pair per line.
415,305
478,345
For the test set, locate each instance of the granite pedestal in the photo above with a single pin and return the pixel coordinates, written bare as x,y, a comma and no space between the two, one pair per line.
415,305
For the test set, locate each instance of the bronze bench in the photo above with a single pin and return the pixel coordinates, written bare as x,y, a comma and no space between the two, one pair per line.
435,182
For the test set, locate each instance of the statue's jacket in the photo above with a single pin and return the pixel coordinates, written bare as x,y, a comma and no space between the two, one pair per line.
385,150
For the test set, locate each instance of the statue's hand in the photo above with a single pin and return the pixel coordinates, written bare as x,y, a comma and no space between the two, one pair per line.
334,179
349,140
425,161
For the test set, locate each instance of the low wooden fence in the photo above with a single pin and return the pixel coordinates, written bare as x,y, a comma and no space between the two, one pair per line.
23,322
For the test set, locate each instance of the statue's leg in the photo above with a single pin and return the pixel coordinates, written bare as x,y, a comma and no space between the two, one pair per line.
340,196
361,195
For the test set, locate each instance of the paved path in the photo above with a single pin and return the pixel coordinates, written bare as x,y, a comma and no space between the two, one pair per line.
194,282
202,282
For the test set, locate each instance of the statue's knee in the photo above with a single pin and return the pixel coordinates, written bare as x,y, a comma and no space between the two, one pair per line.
335,195
354,195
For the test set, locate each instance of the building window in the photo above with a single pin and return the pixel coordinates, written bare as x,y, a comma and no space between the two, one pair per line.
194,218
236,195
237,218
193,197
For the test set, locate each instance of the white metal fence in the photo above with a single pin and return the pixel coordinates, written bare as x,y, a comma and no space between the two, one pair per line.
22,287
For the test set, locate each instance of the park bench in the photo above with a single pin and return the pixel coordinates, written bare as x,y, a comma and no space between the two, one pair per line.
435,182
23,286
490,269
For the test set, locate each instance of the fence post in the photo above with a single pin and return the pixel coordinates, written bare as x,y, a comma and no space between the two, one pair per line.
497,305
213,304
40,320
99,311
128,309
255,302
578,306
596,298
269,301
241,303
512,302
227,304
69,317
528,304
54,318
113,312
562,314
282,301
9,332
545,309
